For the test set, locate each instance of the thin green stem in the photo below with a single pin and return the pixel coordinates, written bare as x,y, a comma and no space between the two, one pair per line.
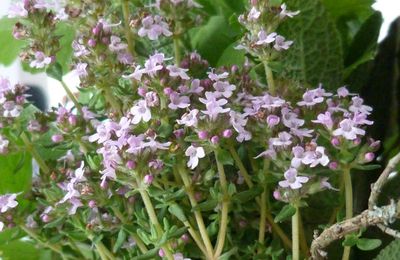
197,213
103,251
128,33
153,217
71,96
35,154
348,187
111,99
295,235
177,51
224,209
303,240
270,78
139,242
263,219
36,237
240,165
275,227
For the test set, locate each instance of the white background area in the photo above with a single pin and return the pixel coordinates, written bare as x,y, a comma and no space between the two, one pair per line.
390,10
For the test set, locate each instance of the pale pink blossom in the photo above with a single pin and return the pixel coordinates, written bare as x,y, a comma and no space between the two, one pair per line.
194,154
292,180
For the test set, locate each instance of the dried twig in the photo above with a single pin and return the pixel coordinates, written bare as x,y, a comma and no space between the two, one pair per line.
373,216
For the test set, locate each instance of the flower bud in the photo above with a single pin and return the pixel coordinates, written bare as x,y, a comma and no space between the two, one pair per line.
132,199
148,179
202,135
130,165
333,165
198,196
215,139
92,43
242,223
369,157
142,91
227,133
46,218
97,29
92,204
104,185
273,120
57,138
185,238
161,252
20,100
374,145
105,40
234,69
72,120
167,91
335,142
357,141
179,133
277,195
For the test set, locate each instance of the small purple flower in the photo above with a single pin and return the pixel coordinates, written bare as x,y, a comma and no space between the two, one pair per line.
153,27
175,71
369,157
140,112
215,139
79,49
254,14
273,120
348,130
224,88
7,201
292,180
178,101
325,184
11,109
213,106
216,77
310,98
189,119
57,138
17,10
283,139
263,38
116,45
286,13
281,44
227,133
202,135
40,61
80,70
194,154
137,74
357,106
325,119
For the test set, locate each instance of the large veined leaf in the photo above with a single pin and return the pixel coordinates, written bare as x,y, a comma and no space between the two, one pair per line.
15,172
9,46
390,252
316,55
350,8
213,38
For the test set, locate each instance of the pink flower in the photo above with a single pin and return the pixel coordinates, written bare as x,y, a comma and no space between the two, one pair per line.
153,64
175,71
7,201
189,119
216,77
40,61
17,10
137,74
224,88
281,44
357,106
325,119
253,15
194,154
273,120
348,130
153,27
80,69
310,98
140,112
299,155
283,139
213,106
178,101
3,145
263,38
286,13
292,180
79,49
11,109
116,45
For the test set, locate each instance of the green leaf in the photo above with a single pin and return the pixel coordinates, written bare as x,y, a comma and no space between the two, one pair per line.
247,195
177,211
367,244
207,205
15,172
19,250
120,240
286,212
55,71
64,55
349,8
316,54
390,252
230,56
224,157
151,254
229,254
211,39
350,240
10,47
368,167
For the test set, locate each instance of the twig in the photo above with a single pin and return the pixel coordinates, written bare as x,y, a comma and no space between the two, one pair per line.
377,186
